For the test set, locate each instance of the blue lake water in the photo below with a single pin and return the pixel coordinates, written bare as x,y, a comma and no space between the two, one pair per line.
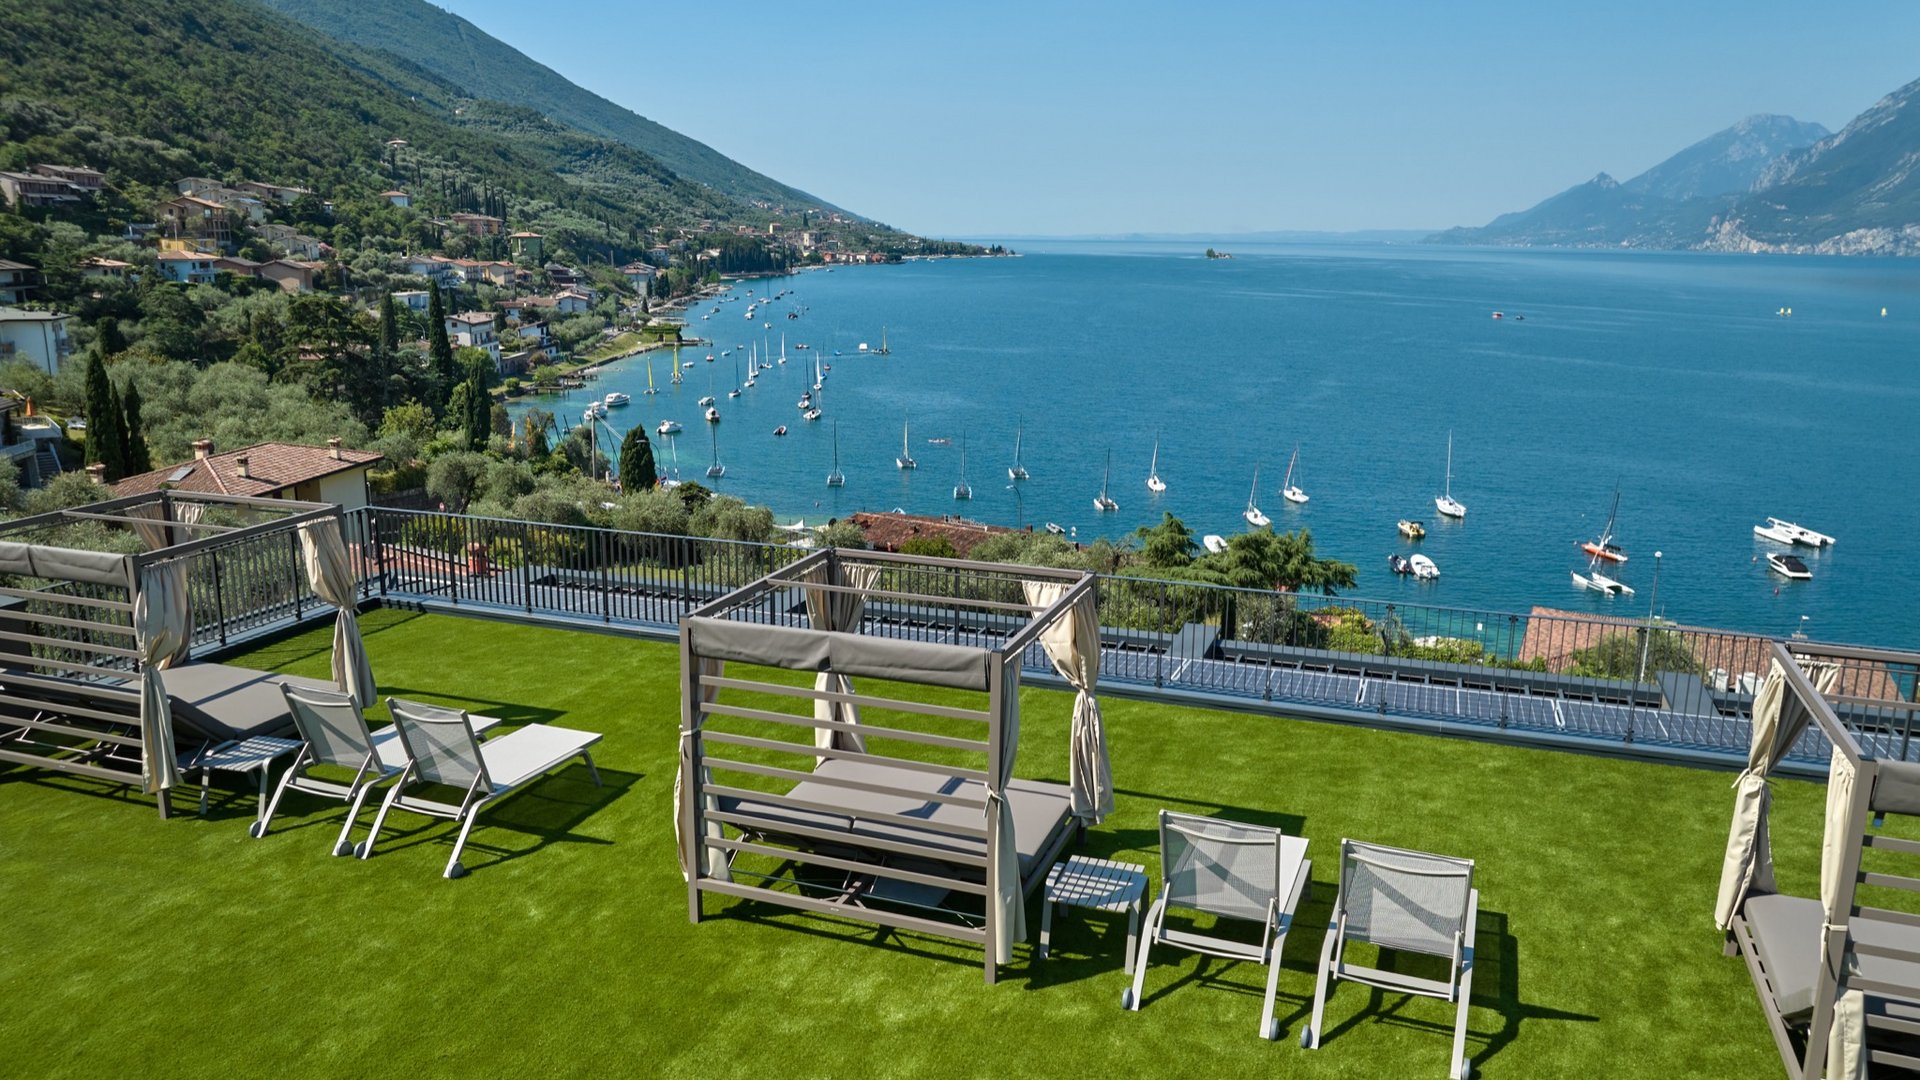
1671,376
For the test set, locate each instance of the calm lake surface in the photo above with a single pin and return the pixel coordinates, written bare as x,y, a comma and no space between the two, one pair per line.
1672,377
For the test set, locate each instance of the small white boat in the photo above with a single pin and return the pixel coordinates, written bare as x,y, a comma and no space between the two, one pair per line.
1103,502
734,393
1412,530
836,478
1055,529
1774,533
1446,503
705,401
1214,543
713,415
1423,568
668,427
1016,471
1399,564
1252,513
905,460
961,490
1789,566
1289,491
616,399
810,414
594,412
781,430
1598,582
1802,535
1154,483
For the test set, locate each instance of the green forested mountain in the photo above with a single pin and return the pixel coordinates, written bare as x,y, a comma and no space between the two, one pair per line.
466,56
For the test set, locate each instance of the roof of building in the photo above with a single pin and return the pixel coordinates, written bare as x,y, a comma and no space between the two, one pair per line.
100,261
9,264
271,467
523,235
185,256
391,194
208,203
14,314
472,318
888,531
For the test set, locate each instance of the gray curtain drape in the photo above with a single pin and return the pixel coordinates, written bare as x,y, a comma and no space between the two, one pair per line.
330,576
691,848
1847,1038
160,633
1073,644
1003,871
1778,721
842,612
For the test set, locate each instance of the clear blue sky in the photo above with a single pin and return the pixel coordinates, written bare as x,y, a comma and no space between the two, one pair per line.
983,118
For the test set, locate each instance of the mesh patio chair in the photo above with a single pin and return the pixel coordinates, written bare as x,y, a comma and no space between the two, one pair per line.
1231,871
333,733
441,748
1407,901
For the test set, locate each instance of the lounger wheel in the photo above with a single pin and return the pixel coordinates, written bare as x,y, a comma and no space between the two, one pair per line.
1306,1038
1127,1001
360,850
457,870
257,830
344,848
1271,1031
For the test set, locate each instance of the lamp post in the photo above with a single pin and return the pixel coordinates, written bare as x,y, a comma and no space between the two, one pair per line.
1646,634
1654,603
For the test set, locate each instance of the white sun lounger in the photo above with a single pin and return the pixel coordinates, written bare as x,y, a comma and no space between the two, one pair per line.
441,748
334,732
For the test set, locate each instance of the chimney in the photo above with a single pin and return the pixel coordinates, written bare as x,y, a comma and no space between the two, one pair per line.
240,467
333,448
97,472
202,449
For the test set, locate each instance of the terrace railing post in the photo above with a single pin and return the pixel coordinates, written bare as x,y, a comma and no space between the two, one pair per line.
293,548
219,601
526,568
606,575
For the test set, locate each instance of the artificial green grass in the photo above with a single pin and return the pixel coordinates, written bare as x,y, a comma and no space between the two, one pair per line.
145,947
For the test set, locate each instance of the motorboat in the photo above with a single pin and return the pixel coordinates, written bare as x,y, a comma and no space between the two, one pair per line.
594,411
1789,566
781,430
713,415
1803,536
1055,529
1289,490
1016,471
1598,582
734,393
810,414
1154,483
905,460
1399,564
616,399
1446,503
1423,568
1774,533
709,359
1104,502
1214,543
705,401
1412,530
1252,513
805,402
668,427
1603,547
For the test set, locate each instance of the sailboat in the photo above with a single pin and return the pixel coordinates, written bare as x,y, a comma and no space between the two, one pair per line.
1288,491
672,480
835,478
676,364
716,470
753,366
1154,483
905,460
1016,471
819,377
1604,547
1252,513
783,346
1446,503
961,490
735,392
1103,502
651,389
883,350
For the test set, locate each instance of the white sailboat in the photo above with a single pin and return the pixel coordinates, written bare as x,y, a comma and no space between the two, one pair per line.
1598,582
715,470
1016,471
672,480
1288,490
753,366
1446,503
783,346
883,350
735,392
651,389
1154,483
1252,513
835,478
961,490
818,376
905,460
1104,502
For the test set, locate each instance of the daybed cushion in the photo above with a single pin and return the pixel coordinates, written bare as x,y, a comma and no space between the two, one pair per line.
1786,933
221,702
1039,809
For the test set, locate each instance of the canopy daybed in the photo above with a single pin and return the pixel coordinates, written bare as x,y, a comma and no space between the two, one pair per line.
911,821
97,607
1838,980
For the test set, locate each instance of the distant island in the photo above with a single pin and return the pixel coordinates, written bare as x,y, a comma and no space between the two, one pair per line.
1766,184
1212,254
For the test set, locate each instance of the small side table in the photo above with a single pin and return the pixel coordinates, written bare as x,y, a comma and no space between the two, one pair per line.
256,754
1096,885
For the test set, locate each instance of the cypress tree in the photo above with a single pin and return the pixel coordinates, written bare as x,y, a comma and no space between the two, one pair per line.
389,325
479,414
112,341
440,349
117,419
637,469
103,418
138,459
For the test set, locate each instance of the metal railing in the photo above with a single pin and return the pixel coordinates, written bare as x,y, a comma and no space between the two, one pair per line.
1660,688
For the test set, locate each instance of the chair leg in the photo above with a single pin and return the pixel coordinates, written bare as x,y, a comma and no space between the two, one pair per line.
343,845
588,758
454,869
1269,1029
365,850
1151,930
1459,1067
258,829
1329,955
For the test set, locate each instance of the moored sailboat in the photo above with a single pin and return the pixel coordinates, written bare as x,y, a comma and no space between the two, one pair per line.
1104,502
835,478
1446,503
1154,483
1289,490
1252,513
1016,471
905,460
961,490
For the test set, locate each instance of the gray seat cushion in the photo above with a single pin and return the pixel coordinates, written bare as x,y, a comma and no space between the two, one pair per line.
221,702
1786,934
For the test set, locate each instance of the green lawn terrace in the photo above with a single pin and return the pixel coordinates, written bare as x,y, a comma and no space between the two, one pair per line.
140,945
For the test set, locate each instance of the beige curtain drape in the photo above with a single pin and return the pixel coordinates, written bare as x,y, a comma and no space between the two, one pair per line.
156,532
331,577
1072,643
691,848
842,612
160,634
1847,1038
1778,721
1003,872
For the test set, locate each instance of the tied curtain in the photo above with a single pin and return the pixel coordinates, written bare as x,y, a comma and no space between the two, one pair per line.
1003,872
692,851
331,577
841,611
1072,642
163,636
1847,1038
1779,718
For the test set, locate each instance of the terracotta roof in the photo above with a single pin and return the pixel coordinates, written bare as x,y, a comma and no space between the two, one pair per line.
391,194
888,531
185,256
272,467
